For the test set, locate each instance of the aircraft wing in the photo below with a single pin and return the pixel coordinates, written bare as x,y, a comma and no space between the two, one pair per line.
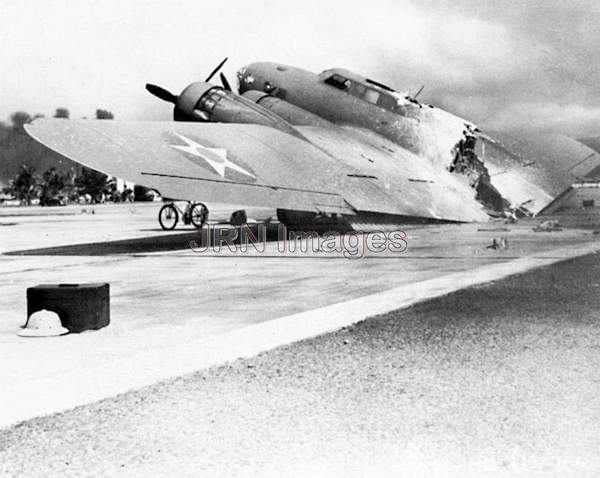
258,166
537,166
228,163
386,178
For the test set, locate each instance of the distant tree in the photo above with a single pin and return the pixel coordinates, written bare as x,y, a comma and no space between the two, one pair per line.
52,186
4,133
24,186
61,113
104,115
71,190
18,148
92,182
20,118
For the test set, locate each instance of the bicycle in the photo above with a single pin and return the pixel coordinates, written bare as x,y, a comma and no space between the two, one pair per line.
195,213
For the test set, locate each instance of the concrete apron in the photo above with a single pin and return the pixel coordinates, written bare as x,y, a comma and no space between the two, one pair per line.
36,396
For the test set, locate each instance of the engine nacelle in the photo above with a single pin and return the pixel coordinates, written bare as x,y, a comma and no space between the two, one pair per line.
205,102
292,114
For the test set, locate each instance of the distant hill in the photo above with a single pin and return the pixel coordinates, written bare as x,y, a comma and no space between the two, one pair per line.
593,142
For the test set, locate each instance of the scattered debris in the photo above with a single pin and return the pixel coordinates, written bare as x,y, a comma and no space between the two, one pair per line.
498,243
238,218
548,226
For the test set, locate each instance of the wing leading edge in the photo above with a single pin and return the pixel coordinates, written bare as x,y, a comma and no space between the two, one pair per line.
247,164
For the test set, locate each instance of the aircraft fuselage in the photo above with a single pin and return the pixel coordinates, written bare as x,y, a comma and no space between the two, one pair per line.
345,98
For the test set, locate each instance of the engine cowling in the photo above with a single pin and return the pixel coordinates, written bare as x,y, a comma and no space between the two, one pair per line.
206,102
291,113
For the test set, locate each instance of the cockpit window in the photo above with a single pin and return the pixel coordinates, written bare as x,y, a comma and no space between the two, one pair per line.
358,90
371,96
387,102
383,99
338,81
367,90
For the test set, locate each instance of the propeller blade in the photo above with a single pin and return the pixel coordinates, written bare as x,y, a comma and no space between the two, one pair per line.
224,82
209,77
161,93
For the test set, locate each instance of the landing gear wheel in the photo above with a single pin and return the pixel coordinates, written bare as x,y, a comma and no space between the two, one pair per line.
168,217
198,214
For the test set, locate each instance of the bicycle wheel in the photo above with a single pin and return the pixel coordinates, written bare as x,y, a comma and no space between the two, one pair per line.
198,214
168,217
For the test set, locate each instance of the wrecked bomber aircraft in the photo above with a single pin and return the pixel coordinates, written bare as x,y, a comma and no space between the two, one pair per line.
333,147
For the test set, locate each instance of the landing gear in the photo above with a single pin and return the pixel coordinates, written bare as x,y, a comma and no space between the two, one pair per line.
194,213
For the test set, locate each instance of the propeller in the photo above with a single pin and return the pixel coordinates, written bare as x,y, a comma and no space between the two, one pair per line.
161,93
224,82
186,103
169,97
212,73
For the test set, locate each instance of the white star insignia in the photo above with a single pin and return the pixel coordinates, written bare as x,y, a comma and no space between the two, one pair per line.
215,157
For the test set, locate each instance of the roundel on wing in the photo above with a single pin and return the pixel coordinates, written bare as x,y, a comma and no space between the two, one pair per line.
213,159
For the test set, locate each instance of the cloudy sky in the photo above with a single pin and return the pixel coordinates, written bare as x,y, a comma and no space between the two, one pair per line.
502,64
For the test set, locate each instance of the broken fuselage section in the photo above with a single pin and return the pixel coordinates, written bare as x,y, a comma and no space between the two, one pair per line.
349,100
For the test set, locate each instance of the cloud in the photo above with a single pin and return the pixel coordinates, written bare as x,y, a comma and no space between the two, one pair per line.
565,118
535,63
517,62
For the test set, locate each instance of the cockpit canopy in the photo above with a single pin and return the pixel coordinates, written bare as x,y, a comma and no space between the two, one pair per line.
367,90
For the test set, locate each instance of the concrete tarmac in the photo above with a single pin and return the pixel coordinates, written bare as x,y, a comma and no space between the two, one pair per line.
174,310
500,379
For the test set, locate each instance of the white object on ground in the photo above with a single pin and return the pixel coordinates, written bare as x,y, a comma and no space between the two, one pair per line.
43,323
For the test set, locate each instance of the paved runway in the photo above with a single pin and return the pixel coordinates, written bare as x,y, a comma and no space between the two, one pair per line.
501,379
210,307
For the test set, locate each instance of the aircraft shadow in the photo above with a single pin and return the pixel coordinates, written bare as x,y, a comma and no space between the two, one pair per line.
167,241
